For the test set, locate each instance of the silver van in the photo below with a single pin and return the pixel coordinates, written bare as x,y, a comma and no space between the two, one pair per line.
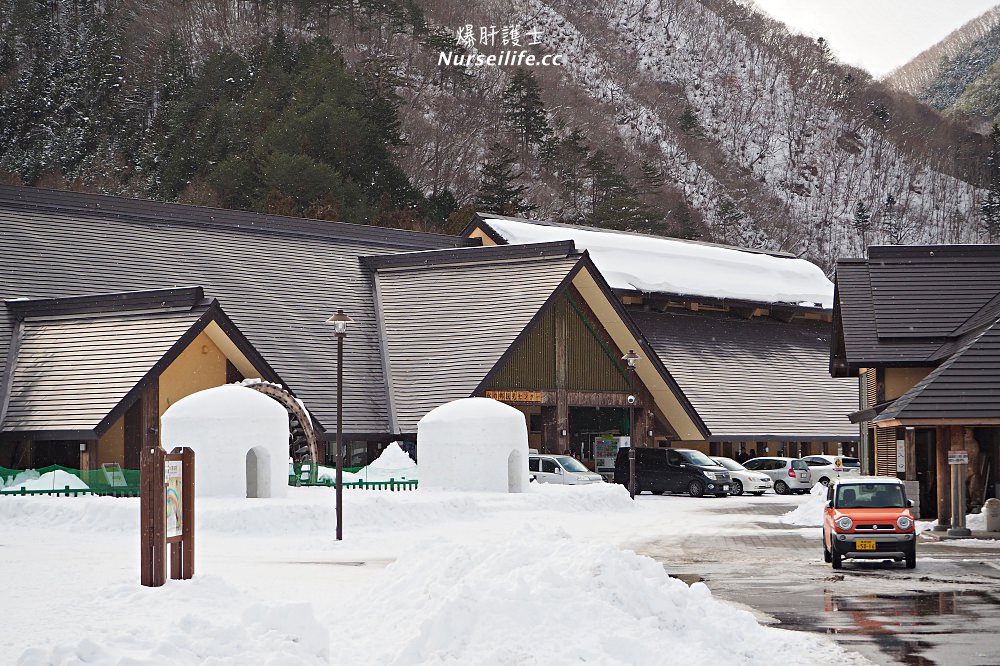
560,469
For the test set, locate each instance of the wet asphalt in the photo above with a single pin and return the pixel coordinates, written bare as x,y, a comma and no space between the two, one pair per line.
945,612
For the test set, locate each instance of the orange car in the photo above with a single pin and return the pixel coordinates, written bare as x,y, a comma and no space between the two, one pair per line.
868,518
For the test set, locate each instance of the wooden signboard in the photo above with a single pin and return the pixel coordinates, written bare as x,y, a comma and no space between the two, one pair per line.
167,514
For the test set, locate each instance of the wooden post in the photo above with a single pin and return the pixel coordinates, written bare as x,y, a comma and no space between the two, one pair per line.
910,439
182,547
153,518
562,373
942,442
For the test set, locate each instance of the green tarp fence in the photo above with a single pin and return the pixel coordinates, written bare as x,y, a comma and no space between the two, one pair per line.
110,480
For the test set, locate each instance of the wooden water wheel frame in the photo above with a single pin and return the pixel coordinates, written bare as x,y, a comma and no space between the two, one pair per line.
289,402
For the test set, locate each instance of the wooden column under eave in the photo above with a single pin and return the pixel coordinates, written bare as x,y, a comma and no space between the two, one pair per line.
562,373
910,440
942,443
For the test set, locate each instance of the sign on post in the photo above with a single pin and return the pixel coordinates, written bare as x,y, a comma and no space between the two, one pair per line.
958,457
166,509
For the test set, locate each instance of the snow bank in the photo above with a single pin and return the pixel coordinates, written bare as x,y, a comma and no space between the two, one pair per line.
57,479
533,600
809,513
195,630
393,463
665,265
974,521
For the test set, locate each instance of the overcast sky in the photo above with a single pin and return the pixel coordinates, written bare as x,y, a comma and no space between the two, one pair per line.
878,35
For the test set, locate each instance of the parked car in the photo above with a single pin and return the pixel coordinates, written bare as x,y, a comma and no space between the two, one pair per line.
868,518
561,469
743,480
826,468
673,471
790,475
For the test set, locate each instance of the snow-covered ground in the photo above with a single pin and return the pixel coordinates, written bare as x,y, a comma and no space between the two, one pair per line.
543,577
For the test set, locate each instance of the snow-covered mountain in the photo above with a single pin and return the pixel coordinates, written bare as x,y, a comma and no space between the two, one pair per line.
701,118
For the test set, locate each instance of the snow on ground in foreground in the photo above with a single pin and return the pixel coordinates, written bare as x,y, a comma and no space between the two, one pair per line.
421,578
810,512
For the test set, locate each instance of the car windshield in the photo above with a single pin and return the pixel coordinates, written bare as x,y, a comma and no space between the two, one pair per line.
572,464
870,496
730,464
698,458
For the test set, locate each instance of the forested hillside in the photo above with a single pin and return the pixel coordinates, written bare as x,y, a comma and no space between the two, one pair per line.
695,118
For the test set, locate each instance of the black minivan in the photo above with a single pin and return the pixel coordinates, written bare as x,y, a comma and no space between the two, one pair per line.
673,471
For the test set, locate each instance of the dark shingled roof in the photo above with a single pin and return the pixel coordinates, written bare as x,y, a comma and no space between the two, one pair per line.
73,361
966,386
448,317
912,305
754,379
278,278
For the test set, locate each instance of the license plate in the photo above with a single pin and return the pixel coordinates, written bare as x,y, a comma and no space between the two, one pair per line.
726,488
864,544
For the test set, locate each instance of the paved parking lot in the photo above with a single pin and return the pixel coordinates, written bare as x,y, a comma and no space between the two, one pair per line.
946,611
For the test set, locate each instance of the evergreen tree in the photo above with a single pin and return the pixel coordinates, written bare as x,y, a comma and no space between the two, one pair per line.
689,123
862,223
989,208
894,225
524,110
729,219
499,190
605,179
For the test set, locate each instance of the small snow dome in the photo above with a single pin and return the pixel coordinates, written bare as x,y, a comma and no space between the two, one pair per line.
473,444
239,437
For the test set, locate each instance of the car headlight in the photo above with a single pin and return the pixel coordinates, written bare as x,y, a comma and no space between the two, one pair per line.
904,523
763,479
844,523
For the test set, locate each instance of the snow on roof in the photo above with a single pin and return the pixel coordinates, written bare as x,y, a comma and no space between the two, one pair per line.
666,265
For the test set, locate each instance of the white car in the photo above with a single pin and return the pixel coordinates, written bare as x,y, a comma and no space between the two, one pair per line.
790,475
826,468
745,481
561,469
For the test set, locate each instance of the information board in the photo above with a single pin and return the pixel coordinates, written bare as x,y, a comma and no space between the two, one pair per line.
173,478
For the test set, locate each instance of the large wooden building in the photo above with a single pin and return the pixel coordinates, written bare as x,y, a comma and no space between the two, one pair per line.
741,336
113,308
918,326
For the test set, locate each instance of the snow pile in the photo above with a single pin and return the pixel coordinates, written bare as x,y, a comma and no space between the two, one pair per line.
191,628
554,601
810,512
974,521
57,479
666,265
19,478
392,463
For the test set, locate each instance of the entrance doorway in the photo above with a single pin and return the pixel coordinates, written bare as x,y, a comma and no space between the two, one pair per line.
586,423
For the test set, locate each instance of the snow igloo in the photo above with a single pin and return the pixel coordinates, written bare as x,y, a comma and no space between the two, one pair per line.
473,444
239,437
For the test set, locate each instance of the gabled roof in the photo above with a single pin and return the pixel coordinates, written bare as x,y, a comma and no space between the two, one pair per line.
965,388
754,379
278,278
913,305
75,364
449,317
644,263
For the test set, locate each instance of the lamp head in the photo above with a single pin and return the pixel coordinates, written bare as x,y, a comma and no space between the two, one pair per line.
340,322
631,358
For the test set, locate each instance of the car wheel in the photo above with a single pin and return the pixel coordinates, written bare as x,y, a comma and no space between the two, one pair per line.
826,554
736,488
780,487
695,489
836,560
911,559
825,481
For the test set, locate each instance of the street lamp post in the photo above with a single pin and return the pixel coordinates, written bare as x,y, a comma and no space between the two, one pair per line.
631,358
339,322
